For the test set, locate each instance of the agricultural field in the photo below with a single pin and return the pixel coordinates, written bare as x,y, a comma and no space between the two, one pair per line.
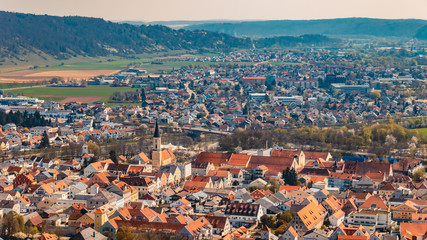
64,95
15,80
12,85
39,76
80,68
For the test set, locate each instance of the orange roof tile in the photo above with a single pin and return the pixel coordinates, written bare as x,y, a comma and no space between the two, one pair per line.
374,202
288,188
216,158
239,159
218,173
284,153
310,215
408,229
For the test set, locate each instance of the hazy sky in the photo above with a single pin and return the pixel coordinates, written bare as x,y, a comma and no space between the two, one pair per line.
154,10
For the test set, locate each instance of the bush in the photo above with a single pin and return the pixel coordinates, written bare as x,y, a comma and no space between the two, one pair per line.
419,175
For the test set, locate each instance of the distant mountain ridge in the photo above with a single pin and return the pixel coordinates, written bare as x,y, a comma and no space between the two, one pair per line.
65,37
330,27
176,24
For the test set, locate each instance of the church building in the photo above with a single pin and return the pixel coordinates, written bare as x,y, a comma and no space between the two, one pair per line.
160,157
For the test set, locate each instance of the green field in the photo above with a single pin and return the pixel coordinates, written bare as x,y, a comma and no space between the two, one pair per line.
44,62
146,64
97,65
16,85
422,131
58,94
88,91
50,99
106,101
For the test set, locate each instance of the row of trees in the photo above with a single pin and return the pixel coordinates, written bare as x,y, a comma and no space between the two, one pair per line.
126,96
24,119
126,233
377,138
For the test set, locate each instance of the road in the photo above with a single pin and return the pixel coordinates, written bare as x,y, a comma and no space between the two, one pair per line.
205,130
190,93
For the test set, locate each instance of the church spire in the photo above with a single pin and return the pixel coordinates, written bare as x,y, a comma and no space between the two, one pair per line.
156,130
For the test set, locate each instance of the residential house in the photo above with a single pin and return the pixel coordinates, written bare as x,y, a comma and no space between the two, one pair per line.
243,214
306,219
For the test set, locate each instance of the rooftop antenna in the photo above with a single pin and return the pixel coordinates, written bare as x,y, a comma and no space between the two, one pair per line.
266,144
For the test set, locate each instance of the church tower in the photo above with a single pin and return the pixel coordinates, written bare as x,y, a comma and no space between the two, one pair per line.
85,149
156,155
99,219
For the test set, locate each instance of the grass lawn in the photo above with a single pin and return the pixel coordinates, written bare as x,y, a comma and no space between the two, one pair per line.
88,91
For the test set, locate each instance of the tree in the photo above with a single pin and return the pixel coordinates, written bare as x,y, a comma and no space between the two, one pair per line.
56,80
158,235
418,175
274,185
283,219
143,98
385,160
69,119
290,177
375,94
12,223
252,188
246,109
34,231
125,233
404,164
113,156
268,221
44,143
94,148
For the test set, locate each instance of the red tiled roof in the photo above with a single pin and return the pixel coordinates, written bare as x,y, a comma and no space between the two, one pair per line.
239,159
284,153
376,176
315,155
362,168
340,176
289,188
216,158
276,163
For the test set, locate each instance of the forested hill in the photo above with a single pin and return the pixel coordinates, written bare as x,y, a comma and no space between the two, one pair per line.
333,27
68,36
422,33
64,37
